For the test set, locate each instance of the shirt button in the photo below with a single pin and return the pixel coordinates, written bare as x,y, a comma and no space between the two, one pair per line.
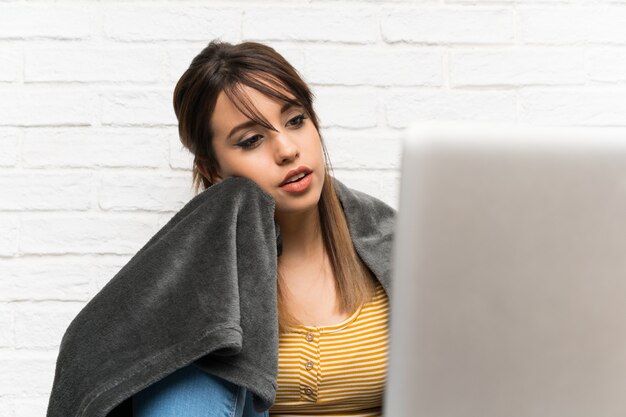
309,337
309,365
308,391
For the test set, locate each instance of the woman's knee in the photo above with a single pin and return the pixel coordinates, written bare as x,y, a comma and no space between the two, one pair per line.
190,392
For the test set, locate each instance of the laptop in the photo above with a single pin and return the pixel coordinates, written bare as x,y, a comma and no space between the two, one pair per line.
508,296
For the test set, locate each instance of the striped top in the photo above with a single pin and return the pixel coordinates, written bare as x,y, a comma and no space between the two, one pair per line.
337,370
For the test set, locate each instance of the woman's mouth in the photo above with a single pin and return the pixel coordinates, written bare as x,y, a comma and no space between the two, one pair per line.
297,183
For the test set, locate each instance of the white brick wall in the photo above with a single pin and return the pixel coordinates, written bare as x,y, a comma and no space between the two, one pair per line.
448,24
90,162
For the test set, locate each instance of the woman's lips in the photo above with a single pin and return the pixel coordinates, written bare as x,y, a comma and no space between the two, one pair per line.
301,169
298,186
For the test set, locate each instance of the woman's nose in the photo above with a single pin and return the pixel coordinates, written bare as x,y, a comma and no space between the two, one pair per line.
286,149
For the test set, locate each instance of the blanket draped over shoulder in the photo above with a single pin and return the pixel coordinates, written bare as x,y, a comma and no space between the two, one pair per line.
202,290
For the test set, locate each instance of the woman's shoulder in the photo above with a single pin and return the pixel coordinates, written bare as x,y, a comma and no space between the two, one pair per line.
355,202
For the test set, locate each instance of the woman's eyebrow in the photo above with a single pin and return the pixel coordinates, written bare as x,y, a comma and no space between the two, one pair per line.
239,127
251,123
287,106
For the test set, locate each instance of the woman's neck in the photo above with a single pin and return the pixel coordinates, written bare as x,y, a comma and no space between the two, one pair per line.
301,235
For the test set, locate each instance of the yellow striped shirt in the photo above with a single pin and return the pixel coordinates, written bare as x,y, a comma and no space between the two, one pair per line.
337,370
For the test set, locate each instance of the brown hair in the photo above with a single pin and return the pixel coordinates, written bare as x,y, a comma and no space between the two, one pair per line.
225,67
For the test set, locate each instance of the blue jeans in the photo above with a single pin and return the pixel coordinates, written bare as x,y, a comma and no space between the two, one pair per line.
191,392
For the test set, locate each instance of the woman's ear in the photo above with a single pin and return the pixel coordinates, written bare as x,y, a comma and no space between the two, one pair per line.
212,178
200,167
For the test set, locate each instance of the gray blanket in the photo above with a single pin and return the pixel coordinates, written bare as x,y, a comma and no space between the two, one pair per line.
202,290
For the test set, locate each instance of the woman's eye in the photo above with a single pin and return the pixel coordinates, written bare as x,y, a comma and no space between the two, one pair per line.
254,141
249,143
298,120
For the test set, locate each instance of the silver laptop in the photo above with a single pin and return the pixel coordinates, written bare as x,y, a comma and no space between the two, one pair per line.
509,279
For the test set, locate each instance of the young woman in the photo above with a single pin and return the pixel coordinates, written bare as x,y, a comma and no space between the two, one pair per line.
244,111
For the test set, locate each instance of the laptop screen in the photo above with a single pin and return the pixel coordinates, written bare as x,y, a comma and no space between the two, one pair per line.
509,285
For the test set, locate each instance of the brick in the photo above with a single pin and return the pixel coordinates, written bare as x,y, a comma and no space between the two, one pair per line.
31,405
455,24
574,107
156,192
42,106
469,2
572,24
46,278
138,107
9,231
330,23
353,107
606,64
403,107
88,62
27,191
10,63
521,66
27,373
40,324
363,149
151,22
48,21
7,328
95,147
420,2
8,404
9,142
390,66
383,185
83,233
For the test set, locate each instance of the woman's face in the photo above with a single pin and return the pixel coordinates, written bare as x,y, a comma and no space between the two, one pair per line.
269,158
